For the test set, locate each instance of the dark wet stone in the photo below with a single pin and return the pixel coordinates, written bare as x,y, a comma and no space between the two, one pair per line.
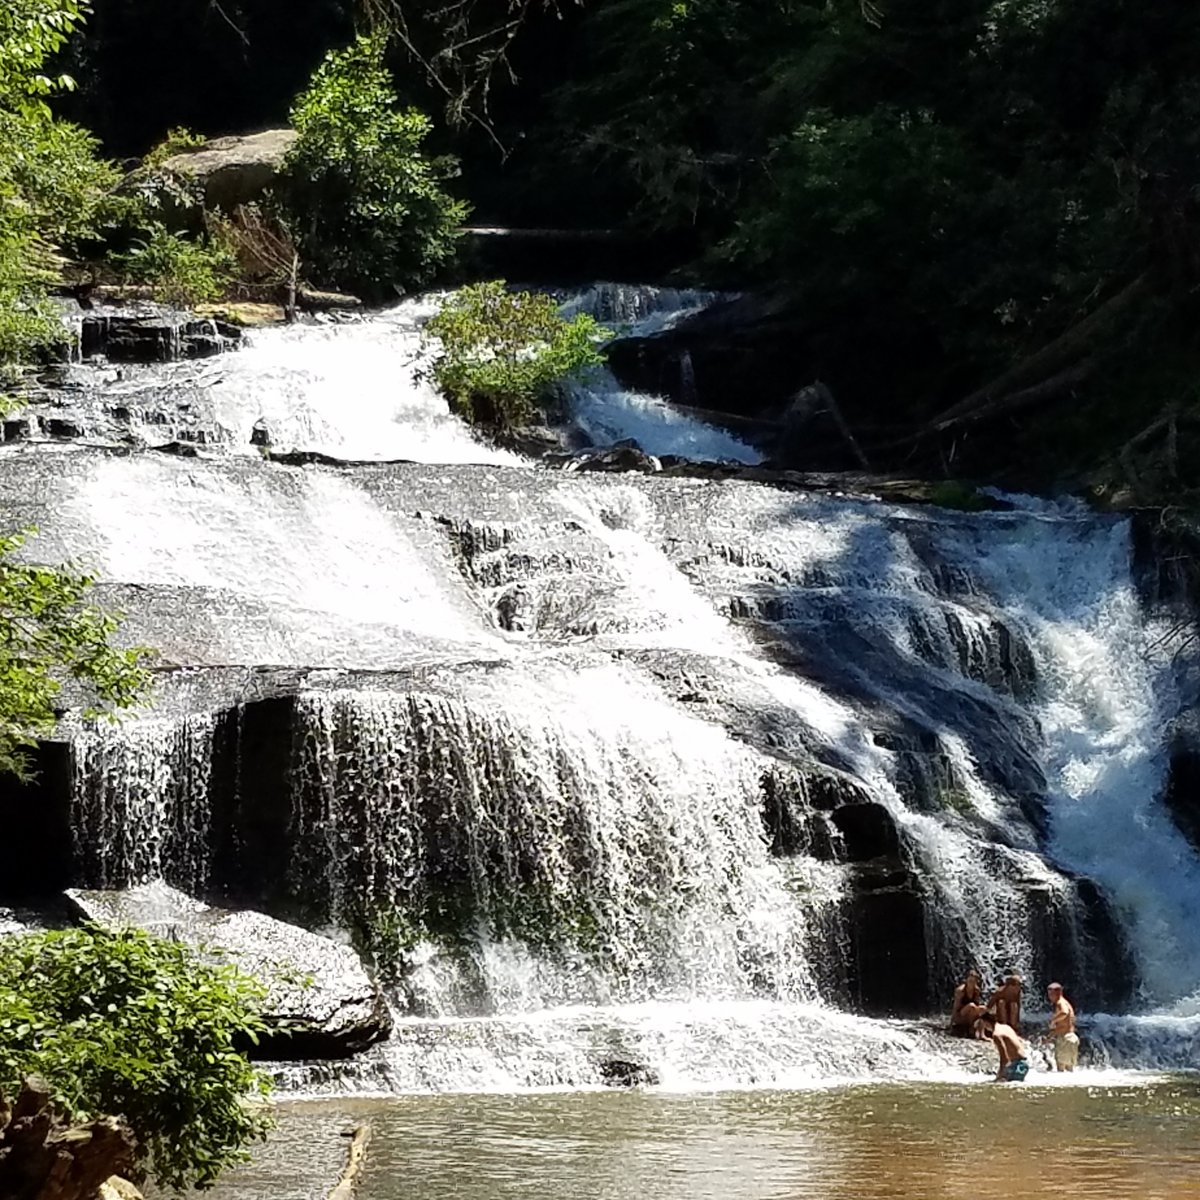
868,831
179,449
621,1072
151,333
886,926
617,458
59,428
18,429
316,986
1182,795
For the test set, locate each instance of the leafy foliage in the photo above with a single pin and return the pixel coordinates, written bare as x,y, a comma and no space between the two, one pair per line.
363,201
502,352
48,632
181,270
123,1023
54,189
178,141
31,32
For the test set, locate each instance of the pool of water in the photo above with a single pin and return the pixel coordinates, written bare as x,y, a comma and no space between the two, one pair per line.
1109,1135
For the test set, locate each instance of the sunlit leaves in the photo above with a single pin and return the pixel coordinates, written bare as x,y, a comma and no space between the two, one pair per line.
50,634
120,1022
501,352
365,203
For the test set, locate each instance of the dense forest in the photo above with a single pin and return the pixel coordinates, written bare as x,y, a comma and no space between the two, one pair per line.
973,220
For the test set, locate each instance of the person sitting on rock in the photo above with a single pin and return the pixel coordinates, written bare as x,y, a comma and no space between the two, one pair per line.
1005,1002
1014,1055
967,1006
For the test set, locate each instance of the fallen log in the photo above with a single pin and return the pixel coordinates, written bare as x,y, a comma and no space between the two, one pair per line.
344,1188
44,1158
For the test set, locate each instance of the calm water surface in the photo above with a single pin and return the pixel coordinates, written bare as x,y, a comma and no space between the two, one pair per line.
891,1142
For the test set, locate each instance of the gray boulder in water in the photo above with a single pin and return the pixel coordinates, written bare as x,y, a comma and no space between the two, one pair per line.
318,987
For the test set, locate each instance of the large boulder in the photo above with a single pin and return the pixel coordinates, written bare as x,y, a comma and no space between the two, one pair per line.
316,986
234,170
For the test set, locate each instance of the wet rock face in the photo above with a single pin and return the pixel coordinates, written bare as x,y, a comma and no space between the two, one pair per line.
316,986
620,1072
151,333
1182,796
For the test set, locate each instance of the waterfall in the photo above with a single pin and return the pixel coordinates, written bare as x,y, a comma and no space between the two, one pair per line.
648,767
606,413
587,846
357,390
140,802
1108,693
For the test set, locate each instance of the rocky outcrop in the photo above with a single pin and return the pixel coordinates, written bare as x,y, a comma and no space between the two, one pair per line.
43,1157
153,333
1182,796
234,170
318,990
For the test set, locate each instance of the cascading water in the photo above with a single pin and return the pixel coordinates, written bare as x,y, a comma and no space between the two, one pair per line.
607,413
1108,692
662,769
357,390
141,802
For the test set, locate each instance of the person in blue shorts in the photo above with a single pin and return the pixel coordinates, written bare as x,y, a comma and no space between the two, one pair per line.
1014,1054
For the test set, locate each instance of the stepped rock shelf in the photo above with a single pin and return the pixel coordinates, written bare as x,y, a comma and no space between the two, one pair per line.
608,766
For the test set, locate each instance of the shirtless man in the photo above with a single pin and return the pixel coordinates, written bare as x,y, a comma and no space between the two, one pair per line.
1062,1029
967,1006
1005,1001
1014,1056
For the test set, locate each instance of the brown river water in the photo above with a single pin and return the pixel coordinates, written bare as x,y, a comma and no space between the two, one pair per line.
1108,1135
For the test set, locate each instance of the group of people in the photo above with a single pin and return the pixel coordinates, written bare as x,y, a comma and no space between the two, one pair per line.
999,1018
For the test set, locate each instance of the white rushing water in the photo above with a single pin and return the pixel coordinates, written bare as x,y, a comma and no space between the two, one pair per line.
356,390
141,802
361,389
1108,694
608,413
546,807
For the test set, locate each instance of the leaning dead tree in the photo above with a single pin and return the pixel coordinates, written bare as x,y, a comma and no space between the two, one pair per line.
43,1157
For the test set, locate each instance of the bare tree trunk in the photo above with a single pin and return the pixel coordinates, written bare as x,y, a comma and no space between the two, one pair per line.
41,1158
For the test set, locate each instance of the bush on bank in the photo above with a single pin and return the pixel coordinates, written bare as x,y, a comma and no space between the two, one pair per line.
501,353
122,1023
363,201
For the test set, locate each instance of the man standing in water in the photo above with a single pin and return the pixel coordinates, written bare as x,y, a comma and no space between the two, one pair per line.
1014,1057
1005,1002
1062,1029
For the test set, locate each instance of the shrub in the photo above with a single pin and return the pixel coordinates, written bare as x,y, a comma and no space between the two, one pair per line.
178,141
54,189
124,1023
502,352
48,631
181,270
364,203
